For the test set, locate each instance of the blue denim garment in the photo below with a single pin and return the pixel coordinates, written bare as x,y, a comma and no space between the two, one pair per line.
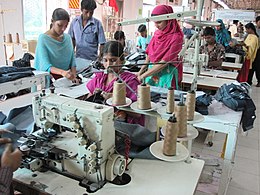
10,73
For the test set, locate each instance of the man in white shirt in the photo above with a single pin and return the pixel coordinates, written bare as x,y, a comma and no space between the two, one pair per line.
233,28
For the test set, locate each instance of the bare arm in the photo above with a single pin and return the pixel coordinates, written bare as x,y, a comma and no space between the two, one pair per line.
65,73
155,69
73,71
10,162
75,79
144,67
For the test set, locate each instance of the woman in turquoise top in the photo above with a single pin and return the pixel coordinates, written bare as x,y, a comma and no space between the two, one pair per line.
222,35
54,51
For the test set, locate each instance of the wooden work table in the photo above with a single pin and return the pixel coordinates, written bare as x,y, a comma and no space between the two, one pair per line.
214,121
231,66
212,73
205,82
153,176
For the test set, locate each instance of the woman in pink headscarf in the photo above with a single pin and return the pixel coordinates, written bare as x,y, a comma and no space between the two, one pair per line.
164,48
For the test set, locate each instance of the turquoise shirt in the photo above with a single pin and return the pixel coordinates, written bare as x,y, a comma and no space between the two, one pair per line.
143,42
53,53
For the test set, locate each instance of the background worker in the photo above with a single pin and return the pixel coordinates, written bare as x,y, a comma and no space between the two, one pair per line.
164,48
87,33
215,51
54,51
144,39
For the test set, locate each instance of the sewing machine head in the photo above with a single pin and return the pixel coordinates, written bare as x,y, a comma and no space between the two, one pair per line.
86,150
202,60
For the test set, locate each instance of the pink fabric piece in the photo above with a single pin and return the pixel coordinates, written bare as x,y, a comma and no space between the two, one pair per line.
130,79
167,43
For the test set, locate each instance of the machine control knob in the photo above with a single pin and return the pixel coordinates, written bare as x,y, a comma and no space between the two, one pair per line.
92,147
71,118
79,134
92,164
82,142
90,156
76,126
92,171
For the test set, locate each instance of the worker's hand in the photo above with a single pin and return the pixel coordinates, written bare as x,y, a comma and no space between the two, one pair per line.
242,43
11,159
140,78
106,95
77,80
5,140
97,90
138,74
68,74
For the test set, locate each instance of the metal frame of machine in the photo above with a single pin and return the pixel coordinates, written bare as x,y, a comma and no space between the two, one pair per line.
76,139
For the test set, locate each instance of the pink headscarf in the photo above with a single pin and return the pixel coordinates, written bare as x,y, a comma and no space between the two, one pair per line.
167,43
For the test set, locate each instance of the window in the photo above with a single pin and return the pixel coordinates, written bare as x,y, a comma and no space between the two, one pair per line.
37,16
34,18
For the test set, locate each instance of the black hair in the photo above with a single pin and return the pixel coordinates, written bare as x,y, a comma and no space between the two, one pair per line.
60,14
88,5
141,28
251,26
115,48
235,21
257,19
209,31
119,35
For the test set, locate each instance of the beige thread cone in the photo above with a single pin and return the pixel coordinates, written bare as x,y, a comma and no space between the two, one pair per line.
181,115
170,101
190,103
144,97
119,94
170,139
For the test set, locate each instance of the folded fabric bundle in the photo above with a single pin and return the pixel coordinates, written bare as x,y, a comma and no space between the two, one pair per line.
10,73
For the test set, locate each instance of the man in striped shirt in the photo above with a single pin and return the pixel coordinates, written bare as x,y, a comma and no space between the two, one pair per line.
10,162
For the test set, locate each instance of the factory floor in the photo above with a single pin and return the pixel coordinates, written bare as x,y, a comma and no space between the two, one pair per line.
246,170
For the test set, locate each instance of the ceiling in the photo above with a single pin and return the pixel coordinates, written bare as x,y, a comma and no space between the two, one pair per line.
243,4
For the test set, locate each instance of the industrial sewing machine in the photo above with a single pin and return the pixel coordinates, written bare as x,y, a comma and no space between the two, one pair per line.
83,145
189,56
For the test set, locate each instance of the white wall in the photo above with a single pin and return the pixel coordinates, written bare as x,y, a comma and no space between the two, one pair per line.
13,23
131,12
